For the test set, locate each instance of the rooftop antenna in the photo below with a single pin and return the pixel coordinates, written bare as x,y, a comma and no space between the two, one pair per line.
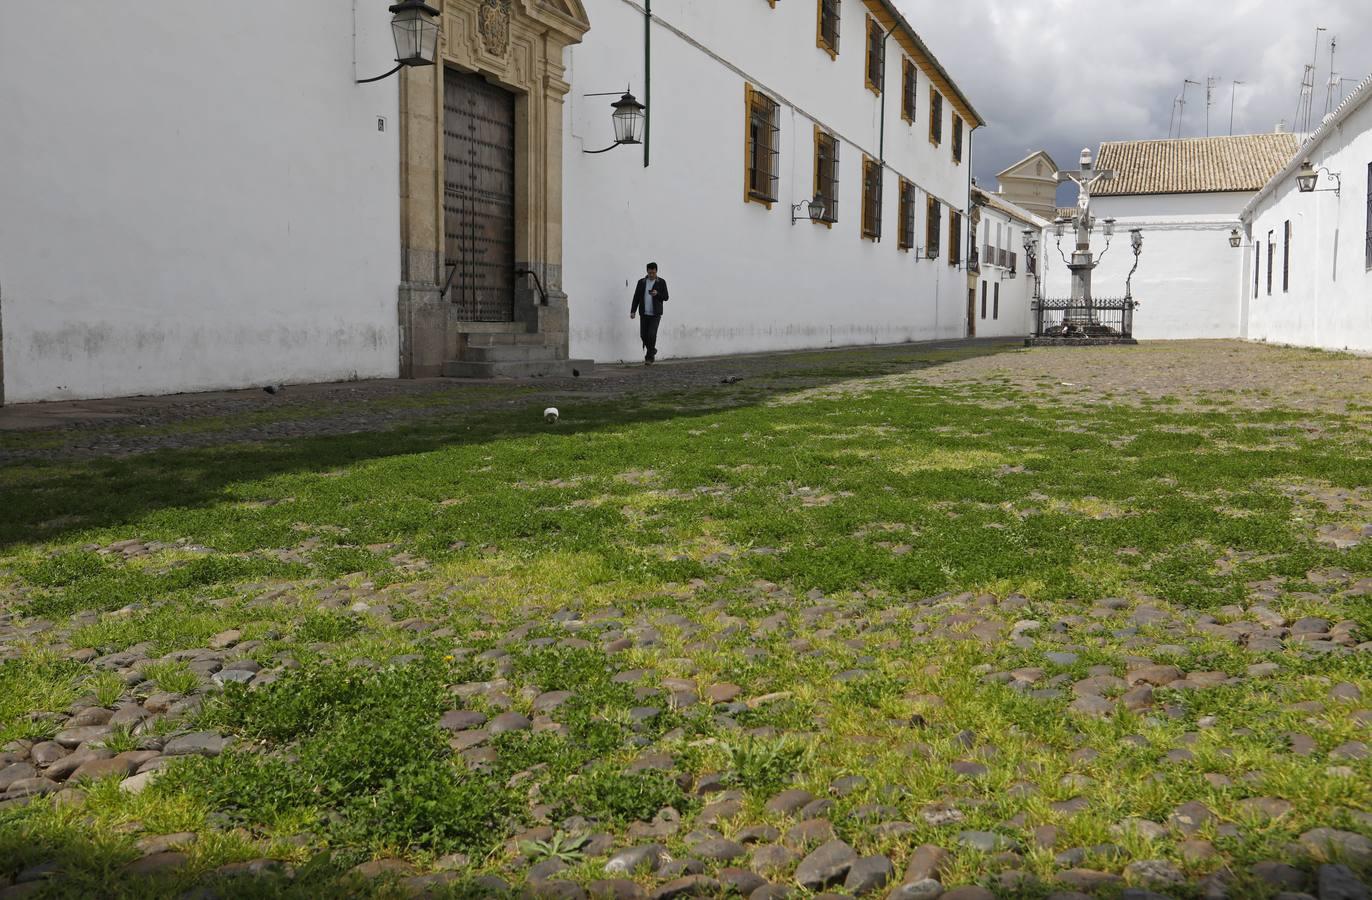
1172,123
1234,92
1181,118
1307,98
1334,84
1210,82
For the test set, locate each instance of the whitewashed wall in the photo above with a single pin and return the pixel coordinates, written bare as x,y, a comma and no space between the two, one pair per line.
195,196
1329,303
743,278
1186,275
1016,293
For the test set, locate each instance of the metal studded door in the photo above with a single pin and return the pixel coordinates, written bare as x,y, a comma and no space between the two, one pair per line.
479,196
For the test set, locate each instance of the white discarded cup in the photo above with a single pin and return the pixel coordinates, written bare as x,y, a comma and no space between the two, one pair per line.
550,415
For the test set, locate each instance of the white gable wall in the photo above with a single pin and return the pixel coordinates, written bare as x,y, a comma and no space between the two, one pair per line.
195,196
1012,319
743,278
1329,301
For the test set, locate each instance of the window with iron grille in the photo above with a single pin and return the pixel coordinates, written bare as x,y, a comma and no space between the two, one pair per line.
933,228
995,302
876,56
954,238
1369,216
909,85
935,116
828,26
1014,262
826,173
763,150
957,138
1286,257
907,215
984,294
1271,252
871,199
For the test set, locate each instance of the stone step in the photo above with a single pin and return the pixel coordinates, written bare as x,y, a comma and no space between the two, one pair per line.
508,339
542,368
510,353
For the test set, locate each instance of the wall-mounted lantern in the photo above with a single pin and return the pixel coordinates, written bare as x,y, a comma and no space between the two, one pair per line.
1109,230
1309,176
628,118
1059,227
414,26
1235,239
811,209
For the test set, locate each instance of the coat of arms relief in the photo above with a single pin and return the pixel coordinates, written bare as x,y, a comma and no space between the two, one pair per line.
493,24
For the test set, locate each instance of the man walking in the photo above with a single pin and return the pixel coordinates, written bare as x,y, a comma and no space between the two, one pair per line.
649,297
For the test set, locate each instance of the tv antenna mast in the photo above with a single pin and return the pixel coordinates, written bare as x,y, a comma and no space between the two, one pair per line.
1335,87
1307,98
1181,104
1210,82
1232,95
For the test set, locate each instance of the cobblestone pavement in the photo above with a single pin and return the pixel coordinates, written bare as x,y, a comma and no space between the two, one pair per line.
140,424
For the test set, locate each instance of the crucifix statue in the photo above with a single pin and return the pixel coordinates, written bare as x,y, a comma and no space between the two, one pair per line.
1082,264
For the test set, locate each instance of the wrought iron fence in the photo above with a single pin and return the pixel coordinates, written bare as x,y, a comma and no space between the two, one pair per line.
1102,317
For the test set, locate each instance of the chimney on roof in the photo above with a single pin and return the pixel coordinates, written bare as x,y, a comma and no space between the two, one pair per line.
1281,127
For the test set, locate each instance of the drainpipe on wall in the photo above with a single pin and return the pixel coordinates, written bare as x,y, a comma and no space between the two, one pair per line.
647,79
881,141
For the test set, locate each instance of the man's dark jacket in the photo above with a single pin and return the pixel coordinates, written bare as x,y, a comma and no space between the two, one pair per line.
661,298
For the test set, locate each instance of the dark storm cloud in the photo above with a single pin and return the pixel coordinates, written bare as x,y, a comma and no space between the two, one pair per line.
1067,74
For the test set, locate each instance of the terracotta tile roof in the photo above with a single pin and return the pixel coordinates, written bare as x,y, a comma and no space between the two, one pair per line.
1194,165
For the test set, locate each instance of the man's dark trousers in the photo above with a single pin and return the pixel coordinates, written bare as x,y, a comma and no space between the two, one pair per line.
647,330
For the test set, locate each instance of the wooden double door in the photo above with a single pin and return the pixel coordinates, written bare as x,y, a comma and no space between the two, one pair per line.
479,196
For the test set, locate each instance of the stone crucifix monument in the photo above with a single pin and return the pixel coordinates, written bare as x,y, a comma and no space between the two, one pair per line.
1083,261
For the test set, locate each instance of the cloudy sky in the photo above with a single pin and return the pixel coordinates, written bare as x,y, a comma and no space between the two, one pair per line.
1021,64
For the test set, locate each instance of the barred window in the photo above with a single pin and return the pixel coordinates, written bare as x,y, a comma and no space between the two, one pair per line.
933,228
957,138
828,26
871,199
954,238
907,215
935,116
995,302
985,292
908,89
1286,258
764,143
876,56
1271,252
826,173
1369,216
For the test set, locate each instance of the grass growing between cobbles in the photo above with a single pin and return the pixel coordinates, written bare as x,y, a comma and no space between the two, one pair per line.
890,594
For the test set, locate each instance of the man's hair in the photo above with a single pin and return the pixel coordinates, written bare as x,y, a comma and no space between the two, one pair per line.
652,266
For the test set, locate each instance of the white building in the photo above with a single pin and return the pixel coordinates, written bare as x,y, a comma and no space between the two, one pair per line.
196,197
1186,195
203,197
756,107
1006,276
1032,184
1308,256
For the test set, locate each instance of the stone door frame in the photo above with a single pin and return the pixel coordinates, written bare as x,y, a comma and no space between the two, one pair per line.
517,44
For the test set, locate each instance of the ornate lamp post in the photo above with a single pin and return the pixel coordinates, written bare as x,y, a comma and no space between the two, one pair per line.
1135,241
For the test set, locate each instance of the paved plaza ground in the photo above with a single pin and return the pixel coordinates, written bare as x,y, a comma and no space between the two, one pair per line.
960,620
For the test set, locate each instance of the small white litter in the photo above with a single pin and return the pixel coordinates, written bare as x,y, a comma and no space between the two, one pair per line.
550,415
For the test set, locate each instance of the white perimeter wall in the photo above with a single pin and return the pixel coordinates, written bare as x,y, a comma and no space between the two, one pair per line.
195,196
1186,276
743,278
1329,303
1015,293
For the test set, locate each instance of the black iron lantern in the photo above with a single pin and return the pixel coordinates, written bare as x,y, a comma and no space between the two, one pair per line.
1109,230
1306,178
813,209
628,119
1136,240
1059,227
415,28
1235,239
